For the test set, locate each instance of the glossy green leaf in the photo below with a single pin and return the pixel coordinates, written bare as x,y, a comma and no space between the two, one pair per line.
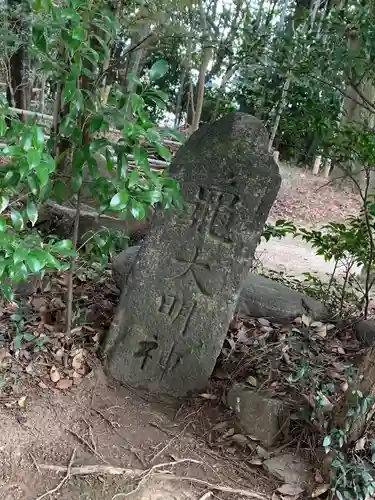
96,122
163,151
4,202
42,173
158,70
77,180
3,224
3,126
34,264
63,247
17,220
138,210
32,212
120,200
38,138
69,91
33,183
33,158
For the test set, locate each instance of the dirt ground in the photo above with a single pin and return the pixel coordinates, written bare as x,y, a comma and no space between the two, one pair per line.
100,423
108,425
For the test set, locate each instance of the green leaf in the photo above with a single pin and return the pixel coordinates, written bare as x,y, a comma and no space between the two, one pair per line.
35,265
141,157
3,224
4,202
96,122
138,210
33,183
158,70
7,292
327,441
17,220
33,158
42,173
77,180
136,102
69,91
12,151
119,201
79,33
163,151
63,247
3,126
32,212
39,37
28,336
38,138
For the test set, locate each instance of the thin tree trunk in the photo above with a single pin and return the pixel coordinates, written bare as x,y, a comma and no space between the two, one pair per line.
317,163
280,110
184,73
228,75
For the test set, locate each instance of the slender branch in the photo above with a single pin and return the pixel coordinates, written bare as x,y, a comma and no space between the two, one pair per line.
69,313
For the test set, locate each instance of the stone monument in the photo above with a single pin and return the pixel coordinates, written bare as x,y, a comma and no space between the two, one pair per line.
181,292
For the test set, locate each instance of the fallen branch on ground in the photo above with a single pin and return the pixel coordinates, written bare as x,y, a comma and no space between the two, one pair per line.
140,474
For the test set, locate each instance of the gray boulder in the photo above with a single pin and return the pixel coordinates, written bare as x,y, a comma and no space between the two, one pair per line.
122,264
262,297
259,415
365,331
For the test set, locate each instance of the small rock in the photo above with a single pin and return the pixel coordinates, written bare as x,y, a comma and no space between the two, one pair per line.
290,469
365,331
259,415
263,322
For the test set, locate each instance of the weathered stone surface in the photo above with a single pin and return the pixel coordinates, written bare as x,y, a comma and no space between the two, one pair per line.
365,331
265,298
122,264
291,469
181,293
259,415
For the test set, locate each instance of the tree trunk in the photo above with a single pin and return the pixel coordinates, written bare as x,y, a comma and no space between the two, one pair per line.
280,110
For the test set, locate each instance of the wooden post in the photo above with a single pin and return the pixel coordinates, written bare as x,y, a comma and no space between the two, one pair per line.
316,167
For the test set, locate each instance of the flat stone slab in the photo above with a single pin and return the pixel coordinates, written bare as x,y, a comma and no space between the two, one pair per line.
289,468
182,290
259,415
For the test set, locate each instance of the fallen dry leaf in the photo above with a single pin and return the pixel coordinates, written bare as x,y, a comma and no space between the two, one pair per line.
360,444
256,461
79,363
64,383
316,324
229,433
252,381
240,439
306,320
54,374
22,402
42,385
320,490
290,490
321,331
208,396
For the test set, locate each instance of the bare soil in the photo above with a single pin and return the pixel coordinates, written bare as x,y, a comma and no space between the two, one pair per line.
110,425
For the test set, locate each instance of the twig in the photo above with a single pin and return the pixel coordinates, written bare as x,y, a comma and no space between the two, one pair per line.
87,444
216,487
86,470
64,479
69,312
